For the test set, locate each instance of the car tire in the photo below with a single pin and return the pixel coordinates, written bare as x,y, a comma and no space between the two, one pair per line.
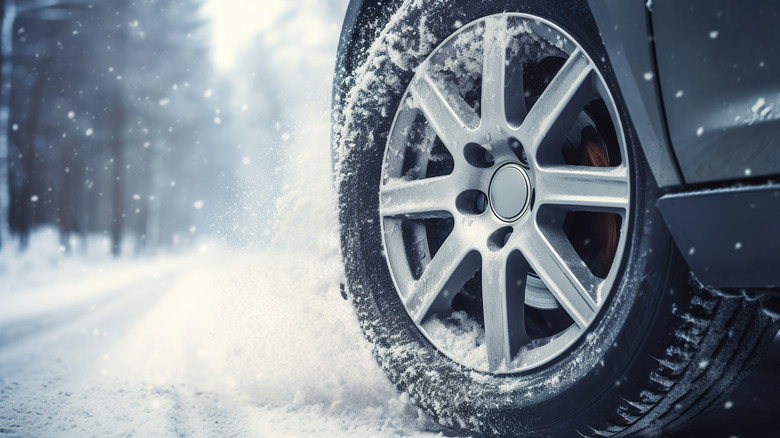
658,349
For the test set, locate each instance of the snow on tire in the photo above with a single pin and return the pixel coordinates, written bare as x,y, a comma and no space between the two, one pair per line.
551,311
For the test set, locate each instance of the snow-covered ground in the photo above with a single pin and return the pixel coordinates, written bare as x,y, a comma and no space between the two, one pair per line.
256,344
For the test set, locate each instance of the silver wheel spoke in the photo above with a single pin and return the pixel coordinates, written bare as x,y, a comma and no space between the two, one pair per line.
503,303
493,72
395,249
514,98
449,269
585,188
422,198
558,106
562,271
449,114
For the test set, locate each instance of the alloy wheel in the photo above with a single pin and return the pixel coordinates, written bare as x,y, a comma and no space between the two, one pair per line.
505,194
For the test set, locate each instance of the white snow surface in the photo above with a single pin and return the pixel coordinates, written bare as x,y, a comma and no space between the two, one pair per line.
216,343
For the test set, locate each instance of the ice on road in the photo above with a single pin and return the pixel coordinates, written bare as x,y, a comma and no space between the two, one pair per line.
220,343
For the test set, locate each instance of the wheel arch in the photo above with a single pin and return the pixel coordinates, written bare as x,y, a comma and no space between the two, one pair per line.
627,34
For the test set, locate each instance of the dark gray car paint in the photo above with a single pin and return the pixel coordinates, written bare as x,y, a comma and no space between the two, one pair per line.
722,55
728,236
624,29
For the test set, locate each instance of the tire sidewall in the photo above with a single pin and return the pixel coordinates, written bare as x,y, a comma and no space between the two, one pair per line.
559,396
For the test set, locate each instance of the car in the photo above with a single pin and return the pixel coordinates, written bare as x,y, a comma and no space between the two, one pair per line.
559,217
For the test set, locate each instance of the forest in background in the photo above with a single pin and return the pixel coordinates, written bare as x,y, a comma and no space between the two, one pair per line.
114,122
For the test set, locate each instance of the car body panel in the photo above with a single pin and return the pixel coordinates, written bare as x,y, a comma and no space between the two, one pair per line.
624,28
719,70
724,249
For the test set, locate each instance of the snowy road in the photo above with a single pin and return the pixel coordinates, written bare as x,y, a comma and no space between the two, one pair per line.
224,344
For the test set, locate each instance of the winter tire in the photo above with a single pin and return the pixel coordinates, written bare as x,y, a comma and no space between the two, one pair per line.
498,226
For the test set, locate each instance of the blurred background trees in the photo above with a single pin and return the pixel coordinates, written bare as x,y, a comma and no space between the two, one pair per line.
117,124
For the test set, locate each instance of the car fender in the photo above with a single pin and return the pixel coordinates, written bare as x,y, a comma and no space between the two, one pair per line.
626,31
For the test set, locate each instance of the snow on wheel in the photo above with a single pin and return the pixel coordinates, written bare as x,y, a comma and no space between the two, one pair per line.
502,248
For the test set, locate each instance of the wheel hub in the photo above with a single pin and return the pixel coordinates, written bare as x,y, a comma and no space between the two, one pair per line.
510,191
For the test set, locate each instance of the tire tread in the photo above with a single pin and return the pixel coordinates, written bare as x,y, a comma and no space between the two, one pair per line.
717,344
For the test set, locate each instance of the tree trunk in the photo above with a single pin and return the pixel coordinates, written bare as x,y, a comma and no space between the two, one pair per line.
26,149
117,184
6,70
118,141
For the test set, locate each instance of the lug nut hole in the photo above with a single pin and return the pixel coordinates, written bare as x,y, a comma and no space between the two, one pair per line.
478,155
519,151
499,238
472,202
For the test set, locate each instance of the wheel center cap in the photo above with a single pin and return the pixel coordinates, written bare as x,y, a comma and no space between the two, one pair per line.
510,190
